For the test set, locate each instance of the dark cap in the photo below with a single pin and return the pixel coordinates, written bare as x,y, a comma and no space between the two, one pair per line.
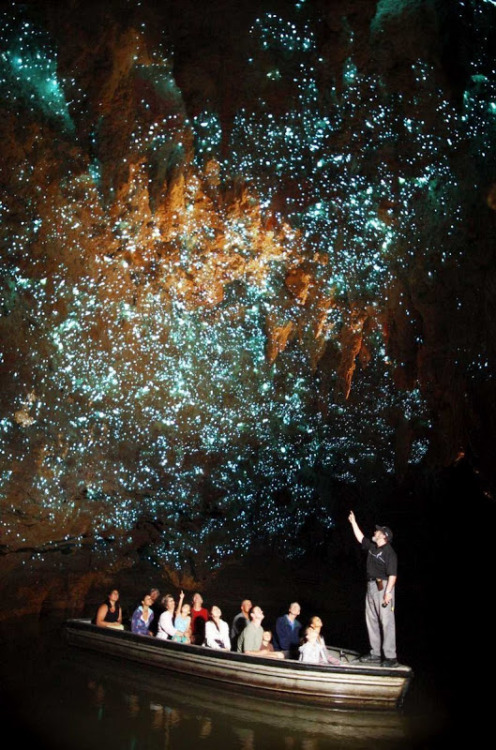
386,531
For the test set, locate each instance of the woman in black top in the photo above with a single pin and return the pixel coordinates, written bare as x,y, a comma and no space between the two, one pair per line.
109,614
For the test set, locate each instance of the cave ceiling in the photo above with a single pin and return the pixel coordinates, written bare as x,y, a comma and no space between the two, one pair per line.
247,255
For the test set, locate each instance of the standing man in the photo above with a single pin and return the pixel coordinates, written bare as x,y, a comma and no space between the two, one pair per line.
382,569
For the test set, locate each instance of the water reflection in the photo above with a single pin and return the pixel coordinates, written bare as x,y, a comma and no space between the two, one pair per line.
156,710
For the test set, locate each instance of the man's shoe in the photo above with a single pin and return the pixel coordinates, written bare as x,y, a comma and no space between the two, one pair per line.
389,663
370,659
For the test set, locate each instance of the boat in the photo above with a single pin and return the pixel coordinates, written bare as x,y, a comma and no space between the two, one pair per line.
350,685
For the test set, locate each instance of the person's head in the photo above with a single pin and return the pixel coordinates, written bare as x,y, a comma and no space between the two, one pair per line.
197,600
147,601
168,602
256,615
215,612
382,535
294,609
266,637
154,593
186,610
311,635
113,596
246,605
316,623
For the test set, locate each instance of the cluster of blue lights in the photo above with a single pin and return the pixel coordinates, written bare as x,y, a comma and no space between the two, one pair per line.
199,341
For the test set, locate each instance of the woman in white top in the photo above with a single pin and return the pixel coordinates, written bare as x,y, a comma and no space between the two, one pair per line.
166,627
314,650
217,631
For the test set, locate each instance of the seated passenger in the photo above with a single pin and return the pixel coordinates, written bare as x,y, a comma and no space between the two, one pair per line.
217,630
182,622
199,616
317,624
312,652
109,614
240,621
166,628
142,617
251,637
157,608
266,641
288,628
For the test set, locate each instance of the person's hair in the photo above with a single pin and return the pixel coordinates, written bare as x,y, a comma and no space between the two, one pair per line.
109,603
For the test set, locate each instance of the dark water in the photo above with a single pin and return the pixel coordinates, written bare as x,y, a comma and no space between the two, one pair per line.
55,696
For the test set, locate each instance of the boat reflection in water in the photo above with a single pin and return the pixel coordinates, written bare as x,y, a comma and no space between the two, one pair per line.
169,712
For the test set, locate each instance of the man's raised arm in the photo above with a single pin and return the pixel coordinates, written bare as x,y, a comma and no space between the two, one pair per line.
356,529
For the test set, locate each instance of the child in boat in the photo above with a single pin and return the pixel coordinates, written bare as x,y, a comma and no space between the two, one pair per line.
182,622
266,641
317,624
313,651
